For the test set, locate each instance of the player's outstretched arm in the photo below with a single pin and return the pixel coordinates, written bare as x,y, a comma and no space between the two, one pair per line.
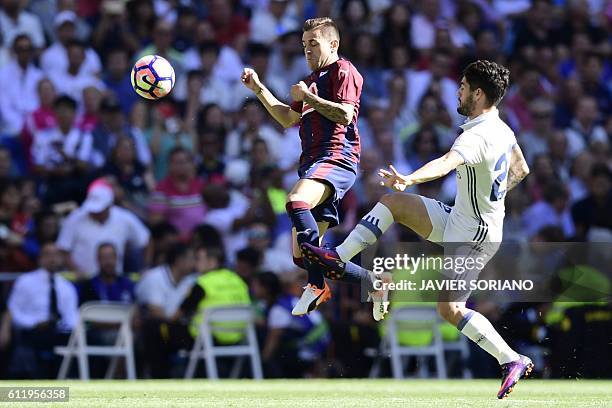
282,113
430,171
336,112
518,168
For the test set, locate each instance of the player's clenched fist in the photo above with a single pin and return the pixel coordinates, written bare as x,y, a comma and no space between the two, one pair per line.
250,79
298,91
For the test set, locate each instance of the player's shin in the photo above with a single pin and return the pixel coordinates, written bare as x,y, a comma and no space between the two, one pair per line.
366,233
307,231
478,329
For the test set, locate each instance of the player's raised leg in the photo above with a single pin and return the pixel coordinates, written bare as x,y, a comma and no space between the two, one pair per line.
404,208
305,195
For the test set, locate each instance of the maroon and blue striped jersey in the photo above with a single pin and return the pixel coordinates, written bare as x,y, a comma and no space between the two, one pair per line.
323,139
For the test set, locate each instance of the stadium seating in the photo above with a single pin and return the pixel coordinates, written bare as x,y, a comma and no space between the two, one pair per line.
242,319
103,313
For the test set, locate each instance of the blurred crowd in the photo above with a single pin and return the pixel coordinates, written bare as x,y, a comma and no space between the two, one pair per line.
141,200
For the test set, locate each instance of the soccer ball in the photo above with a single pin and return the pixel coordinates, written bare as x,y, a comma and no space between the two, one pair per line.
152,77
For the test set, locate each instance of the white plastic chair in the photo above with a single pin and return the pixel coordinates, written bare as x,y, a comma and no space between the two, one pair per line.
205,348
415,318
106,313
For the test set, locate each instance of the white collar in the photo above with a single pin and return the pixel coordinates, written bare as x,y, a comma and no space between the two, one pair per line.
470,123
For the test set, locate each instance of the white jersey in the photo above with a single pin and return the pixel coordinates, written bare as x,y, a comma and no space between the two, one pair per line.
486,146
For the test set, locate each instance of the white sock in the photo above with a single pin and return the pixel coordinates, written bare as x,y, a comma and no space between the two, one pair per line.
482,332
369,229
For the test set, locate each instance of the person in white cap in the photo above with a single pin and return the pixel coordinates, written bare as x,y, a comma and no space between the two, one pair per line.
95,222
55,57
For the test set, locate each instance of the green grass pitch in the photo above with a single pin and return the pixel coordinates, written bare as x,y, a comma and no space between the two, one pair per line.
326,393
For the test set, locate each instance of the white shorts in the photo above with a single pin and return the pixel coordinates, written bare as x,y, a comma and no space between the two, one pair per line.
444,231
457,243
438,215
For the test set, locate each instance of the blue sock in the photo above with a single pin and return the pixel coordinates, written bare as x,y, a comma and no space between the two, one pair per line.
356,274
307,232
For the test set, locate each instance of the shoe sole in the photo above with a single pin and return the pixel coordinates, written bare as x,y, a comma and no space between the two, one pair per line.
526,374
314,258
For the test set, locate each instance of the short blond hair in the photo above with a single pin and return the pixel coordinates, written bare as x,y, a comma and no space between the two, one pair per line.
328,27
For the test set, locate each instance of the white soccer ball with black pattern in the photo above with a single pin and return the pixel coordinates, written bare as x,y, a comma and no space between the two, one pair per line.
152,77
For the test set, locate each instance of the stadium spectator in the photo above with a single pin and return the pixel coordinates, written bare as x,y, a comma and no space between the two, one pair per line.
229,211
432,116
527,89
43,308
213,90
15,20
113,127
117,79
97,221
560,155
141,15
14,225
291,344
267,25
160,292
552,211
60,154
133,178
211,166
423,25
593,212
19,97
585,129
56,58
177,198
163,237
186,21
217,286
247,263
286,61
113,31
424,147
108,285
163,37
229,27
273,259
542,175
90,116
259,60
535,140
75,78
41,118
167,134
253,126
366,59
46,229
580,175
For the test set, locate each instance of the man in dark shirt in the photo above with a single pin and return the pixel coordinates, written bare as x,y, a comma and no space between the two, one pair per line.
594,210
326,106
108,285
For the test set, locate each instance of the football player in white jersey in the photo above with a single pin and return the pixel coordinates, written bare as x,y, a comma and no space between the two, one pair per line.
488,163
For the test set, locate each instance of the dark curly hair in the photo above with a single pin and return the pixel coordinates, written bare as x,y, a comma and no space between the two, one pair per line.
492,78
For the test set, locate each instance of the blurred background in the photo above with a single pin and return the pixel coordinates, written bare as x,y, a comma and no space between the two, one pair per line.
177,205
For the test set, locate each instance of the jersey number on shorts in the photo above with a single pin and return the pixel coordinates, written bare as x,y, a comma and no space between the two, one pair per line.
496,193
